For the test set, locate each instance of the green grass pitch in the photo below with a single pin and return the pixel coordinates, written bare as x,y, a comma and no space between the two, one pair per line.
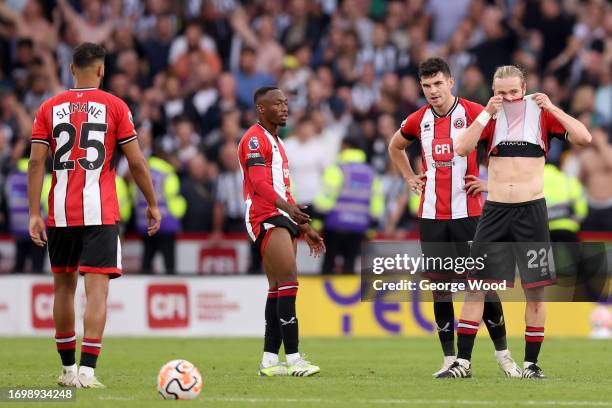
355,372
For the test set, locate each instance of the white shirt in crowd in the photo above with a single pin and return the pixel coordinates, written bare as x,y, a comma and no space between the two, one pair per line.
307,161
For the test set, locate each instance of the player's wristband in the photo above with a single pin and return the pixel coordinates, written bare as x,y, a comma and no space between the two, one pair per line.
483,118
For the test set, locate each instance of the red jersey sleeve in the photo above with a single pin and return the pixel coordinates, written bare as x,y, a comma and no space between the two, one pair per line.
125,124
472,110
411,126
256,153
552,127
41,133
255,150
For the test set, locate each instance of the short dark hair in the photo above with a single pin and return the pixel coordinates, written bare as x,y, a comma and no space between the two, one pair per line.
262,91
431,66
86,54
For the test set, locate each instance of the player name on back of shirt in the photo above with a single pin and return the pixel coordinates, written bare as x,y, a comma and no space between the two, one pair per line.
85,107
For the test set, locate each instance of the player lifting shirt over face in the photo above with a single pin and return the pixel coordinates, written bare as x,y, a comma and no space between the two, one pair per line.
518,129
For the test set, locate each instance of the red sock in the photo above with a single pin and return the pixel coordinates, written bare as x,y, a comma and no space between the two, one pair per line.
66,347
534,336
90,350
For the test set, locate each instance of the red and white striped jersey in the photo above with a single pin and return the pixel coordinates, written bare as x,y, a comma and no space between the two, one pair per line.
83,127
443,196
258,147
521,129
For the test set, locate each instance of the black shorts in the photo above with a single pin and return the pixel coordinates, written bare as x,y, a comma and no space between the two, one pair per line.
273,222
511,236
90,249
446,238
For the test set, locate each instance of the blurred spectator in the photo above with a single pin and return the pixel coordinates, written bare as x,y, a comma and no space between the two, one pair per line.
382,54
31,23
566,204
445,18
269,52
198,189
209,116
352,203
17,201
555,28
198,50
366,91
248,79
303,27
183,142
172,207
229,132
14,116
229,202
596,174
498,45
377,149
43,83
396,198
193,39
174,104
473,86
306,154
157,47
93,25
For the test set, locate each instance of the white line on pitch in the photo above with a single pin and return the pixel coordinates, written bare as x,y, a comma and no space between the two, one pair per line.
411,401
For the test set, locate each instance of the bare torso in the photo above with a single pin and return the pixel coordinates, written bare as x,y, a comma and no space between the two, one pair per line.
515,179
596,175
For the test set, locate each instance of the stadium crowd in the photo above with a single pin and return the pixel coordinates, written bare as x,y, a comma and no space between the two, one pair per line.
188,70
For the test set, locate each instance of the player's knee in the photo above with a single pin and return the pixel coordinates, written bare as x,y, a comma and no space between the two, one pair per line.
474,296
288,275
534,295
64,286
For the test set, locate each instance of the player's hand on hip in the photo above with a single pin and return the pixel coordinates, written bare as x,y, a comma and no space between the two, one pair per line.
543,101
153,220
315,243
296,213
416,183
474,185
494,105
38,232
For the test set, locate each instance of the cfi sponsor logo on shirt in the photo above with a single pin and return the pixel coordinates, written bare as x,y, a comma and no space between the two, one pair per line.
253,143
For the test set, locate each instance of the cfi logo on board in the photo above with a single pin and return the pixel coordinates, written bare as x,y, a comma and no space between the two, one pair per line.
42,306
167,306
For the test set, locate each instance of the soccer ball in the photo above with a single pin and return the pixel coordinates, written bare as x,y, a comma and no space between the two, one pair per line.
601,323
179,379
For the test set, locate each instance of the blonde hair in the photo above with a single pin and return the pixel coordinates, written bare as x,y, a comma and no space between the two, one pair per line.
509,71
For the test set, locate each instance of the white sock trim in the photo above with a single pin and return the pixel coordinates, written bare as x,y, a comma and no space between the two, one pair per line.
292,358
465,363
269,359
86,371
501,353
72,368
